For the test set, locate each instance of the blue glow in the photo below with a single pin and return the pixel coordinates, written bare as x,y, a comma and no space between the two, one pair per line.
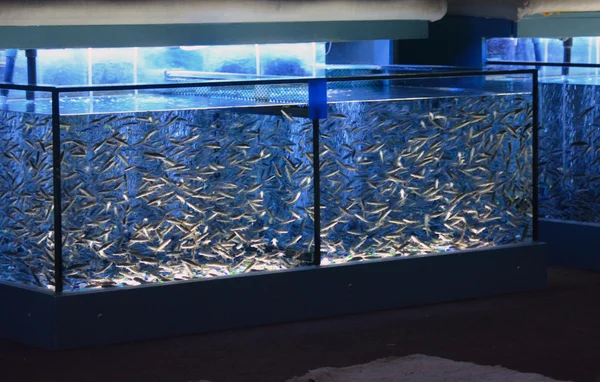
585,50
569,170
154,65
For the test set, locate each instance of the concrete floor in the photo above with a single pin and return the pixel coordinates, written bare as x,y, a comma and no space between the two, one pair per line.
554,332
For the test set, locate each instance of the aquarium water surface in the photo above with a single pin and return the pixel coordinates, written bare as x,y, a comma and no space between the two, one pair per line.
159,196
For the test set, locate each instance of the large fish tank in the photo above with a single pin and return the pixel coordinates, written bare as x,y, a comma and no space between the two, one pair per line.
569,83
128,179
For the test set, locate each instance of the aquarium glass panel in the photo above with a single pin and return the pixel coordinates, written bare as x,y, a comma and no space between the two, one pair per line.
62,66
26,188
297,60
569,149
176,195
113,66
54,66
427,174
166,185
192,98
236,59
568,140
155,65
584,50
24,101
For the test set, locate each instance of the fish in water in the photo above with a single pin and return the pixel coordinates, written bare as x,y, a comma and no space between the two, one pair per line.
569,146
166,196
426,187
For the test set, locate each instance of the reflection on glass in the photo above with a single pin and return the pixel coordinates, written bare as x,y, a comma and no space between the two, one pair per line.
104,66
584,50
288,60
112,66
580,50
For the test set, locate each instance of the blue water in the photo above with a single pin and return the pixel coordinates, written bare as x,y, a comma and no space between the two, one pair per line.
26,190
569,146
152,197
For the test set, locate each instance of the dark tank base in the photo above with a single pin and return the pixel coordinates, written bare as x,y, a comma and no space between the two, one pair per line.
571,244
114,315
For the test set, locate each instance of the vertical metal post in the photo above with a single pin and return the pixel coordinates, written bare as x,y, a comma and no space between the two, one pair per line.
31,55
317,110
56,151
317,193
535,155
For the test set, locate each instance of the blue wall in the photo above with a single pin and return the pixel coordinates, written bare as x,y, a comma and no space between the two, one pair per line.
453,41
377,52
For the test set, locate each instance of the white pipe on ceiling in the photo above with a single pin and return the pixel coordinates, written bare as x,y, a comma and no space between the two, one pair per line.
515,10
136,12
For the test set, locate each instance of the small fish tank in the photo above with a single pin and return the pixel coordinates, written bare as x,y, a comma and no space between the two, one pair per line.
569,73
155,172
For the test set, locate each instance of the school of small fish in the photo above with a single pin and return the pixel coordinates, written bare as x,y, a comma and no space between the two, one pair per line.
164,196
27,208
569,152
416,177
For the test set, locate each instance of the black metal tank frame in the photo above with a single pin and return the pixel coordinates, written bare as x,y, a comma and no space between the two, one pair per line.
535,156
317,193
56,142
389,77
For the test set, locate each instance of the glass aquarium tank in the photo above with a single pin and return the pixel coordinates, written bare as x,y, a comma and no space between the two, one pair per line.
212,169
569,90
426,169
569,165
